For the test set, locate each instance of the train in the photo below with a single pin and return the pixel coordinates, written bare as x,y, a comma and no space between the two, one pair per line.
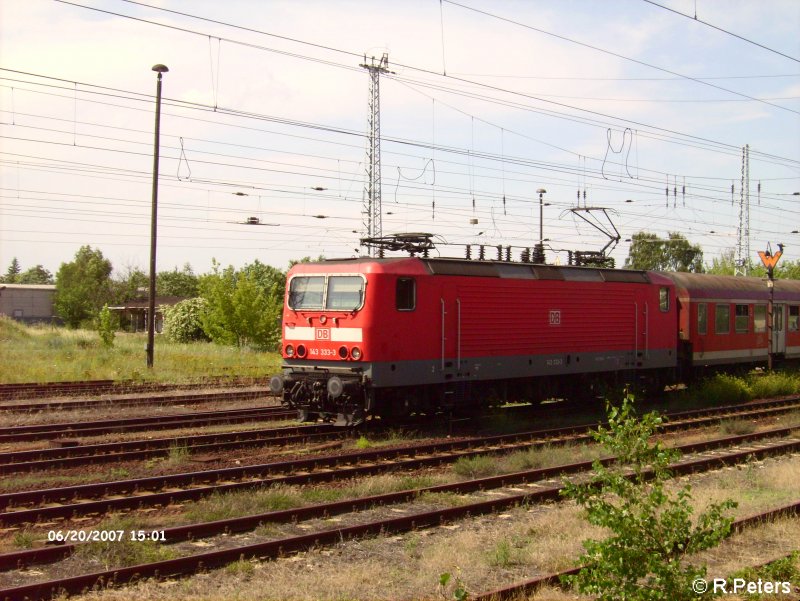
371,337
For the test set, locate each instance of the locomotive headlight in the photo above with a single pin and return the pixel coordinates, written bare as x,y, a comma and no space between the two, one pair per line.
355,353
289,350
301,351
323,320
343,352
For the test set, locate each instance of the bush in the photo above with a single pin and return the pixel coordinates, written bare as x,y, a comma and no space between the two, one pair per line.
774,385
183,321
724,389
106,326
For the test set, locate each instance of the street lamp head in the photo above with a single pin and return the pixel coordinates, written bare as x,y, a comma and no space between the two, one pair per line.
541,191
160,68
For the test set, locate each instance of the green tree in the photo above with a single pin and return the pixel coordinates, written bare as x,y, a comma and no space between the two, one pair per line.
177,283
83,286
652,531
128,285
35,275
239,311
12,273
648,251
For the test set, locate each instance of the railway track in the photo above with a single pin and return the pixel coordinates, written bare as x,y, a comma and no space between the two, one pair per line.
151,400
140,450
14,434
538,490
33,390
58,458
91,499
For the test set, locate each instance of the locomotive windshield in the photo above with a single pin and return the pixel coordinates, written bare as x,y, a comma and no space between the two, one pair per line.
334,293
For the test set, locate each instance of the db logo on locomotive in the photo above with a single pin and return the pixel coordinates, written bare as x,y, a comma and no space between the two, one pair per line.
322,333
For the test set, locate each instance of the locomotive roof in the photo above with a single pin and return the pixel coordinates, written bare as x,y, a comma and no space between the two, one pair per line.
701,285
477,268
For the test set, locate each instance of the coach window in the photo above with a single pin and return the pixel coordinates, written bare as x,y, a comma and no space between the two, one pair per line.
702,319
406,294
760,319
722,319
794,318
742,319
663,299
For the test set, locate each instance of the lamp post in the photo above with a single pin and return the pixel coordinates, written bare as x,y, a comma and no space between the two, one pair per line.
151,307
770,260
539,252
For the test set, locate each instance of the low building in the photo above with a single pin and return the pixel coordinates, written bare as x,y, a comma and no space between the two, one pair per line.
133,313
30,303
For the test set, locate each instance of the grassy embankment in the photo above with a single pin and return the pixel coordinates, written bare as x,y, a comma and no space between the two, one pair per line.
49,354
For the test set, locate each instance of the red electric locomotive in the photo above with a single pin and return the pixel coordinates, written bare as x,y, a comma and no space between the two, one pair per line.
400,335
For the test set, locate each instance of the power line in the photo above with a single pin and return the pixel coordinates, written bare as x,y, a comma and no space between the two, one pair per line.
615,54
736,35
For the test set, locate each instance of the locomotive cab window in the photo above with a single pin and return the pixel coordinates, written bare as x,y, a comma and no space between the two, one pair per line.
663,299
406,294
722,319
306,292
702,319
345,293
742,319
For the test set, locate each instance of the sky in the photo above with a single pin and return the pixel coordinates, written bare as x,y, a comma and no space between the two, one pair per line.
631,115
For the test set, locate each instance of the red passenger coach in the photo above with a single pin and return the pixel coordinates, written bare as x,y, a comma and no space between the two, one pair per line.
401,335
724,320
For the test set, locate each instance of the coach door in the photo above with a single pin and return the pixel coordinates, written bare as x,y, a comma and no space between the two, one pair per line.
779,329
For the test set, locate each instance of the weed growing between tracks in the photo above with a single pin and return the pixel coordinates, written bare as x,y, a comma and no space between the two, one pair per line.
124,552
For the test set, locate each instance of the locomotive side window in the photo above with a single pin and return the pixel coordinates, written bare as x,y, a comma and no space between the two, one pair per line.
794,318
406,294
345,293
742,319
722,319
663,299
760,319
305,292
702,319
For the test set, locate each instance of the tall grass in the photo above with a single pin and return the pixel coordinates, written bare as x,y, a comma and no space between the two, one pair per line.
47,353
724,389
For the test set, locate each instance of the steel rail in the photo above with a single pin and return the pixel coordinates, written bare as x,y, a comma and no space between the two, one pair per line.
280,547
133,424
173,399
40,390
138,450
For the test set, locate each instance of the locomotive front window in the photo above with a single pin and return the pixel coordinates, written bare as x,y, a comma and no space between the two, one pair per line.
305,292
345,293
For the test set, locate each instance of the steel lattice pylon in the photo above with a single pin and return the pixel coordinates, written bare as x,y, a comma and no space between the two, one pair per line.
743,231
372,187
